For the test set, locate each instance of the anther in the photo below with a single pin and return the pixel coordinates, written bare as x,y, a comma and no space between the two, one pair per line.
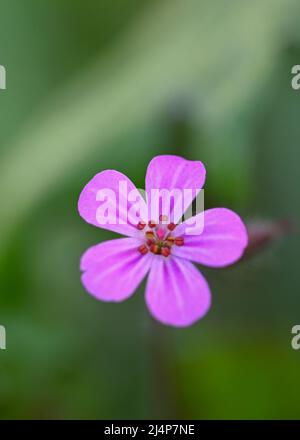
179,241
171,240
154,248
141,225
149,242
151,224
143,249
149,234
171,226
163,218
165,251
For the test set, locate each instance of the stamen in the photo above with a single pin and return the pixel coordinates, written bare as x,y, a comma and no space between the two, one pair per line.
171,240
179,241
159,241
171,226
141,225
163,218
151,224
154,248
143,249
165,251
149,234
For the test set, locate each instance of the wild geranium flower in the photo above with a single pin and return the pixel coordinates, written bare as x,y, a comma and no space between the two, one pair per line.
176,293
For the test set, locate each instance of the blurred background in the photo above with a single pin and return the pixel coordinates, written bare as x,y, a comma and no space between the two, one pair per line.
97,84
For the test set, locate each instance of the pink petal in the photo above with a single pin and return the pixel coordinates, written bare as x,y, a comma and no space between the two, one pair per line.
222,241
176,294
104,190
114,269
174,173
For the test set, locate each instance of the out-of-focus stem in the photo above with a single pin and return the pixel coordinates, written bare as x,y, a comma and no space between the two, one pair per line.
262,233
162,376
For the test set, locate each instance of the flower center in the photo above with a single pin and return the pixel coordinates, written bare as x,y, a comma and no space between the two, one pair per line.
158,237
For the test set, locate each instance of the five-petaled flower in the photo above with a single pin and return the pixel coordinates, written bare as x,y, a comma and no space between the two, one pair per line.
176,292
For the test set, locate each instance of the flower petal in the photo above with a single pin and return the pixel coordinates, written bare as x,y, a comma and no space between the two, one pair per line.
174,173
104,203
177,294
222,241
114,269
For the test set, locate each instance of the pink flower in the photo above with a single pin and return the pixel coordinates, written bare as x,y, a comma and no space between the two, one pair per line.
176,293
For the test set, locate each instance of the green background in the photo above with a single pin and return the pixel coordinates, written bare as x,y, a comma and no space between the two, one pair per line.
99,84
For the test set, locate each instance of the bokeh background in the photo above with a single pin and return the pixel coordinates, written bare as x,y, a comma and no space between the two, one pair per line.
98,84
